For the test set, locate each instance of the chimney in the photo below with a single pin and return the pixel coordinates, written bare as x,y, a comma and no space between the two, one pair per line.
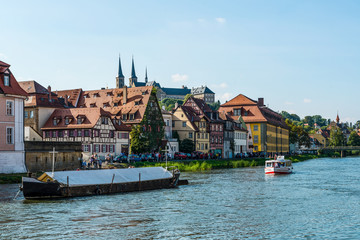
49,91
124,94
261,101
66,100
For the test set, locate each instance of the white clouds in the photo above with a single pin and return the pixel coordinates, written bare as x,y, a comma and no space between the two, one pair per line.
220,20
225,97
179,78
307,100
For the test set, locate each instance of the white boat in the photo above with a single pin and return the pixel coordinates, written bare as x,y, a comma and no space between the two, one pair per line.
278,166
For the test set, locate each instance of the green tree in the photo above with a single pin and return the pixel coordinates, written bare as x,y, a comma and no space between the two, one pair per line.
187,96
187,145
336,137
215,106
354,139
147,135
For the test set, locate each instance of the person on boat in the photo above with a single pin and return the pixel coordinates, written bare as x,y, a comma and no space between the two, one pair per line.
275,157
100,163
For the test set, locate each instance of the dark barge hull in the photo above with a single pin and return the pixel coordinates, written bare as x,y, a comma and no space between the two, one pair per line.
42,190
34,189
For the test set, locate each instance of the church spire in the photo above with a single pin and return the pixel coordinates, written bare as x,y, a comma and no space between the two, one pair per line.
133,78
337,118
120,74
120,78
146,78
133,75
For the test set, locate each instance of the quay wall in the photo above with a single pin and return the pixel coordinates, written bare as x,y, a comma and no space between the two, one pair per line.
38,156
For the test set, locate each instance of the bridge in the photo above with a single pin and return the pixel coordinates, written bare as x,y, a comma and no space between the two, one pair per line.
340,148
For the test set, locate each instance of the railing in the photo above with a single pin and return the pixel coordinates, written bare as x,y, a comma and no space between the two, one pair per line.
341,148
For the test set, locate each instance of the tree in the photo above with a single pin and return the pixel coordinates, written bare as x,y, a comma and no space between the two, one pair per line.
147,135
336,137
187,96
354,139
187,145
169,103
297,134
215,106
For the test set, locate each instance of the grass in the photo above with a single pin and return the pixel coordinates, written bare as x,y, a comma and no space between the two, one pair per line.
203,165
11,178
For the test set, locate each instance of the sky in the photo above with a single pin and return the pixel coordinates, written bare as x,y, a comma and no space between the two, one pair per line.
300,56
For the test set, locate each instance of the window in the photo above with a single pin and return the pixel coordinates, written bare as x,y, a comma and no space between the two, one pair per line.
54,134
71,133
131,117
206,146
79,120
190,135
47,134
137,103
104,120
202,146
96,133
60,133
111,148
184,124
79,133
256,139
97,148
10,135
124,116
6,80
103,148
54,122
86,148
10,108
31,115
87,133
255,148
173,123
111,135
66,121
167,122
26,114
256,128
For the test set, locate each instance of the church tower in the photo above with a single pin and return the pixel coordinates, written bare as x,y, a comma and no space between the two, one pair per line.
133,79
146,78
120,78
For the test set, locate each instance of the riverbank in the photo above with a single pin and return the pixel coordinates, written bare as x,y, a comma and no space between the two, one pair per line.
203,165
11,178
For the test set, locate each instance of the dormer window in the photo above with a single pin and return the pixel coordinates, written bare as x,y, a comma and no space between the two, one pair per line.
92,105
116,104
86,95
6,80
109,94
124,116
80,119
96,95
143,93
56,121
67,120
137,102
132,116
118,95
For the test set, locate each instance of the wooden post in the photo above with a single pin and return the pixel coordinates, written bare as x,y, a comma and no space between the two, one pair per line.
68,186
112,181
139,181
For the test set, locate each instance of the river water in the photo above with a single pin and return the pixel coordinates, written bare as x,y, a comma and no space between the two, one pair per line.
321,200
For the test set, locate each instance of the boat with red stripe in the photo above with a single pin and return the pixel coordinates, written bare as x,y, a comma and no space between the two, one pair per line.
278,166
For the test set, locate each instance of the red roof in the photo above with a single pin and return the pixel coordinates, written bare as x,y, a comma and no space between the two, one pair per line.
14,87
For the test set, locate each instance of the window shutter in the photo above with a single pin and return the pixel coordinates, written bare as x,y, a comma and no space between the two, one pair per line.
82,147
44,134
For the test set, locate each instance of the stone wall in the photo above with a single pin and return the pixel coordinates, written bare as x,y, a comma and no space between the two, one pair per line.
38,157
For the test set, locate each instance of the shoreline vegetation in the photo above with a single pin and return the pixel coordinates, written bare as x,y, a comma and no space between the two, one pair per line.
190,165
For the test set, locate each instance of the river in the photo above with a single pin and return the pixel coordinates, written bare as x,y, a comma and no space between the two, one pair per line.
321,200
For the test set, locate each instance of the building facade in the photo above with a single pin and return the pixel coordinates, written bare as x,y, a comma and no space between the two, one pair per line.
270,134
12,96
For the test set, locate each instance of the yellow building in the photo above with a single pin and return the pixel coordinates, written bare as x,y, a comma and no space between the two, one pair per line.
270,133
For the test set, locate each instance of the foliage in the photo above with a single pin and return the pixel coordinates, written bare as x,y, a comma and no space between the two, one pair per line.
292,117
147,135
139,143
354,139
336,137
169,103
215,106
187,96
297,134
187,145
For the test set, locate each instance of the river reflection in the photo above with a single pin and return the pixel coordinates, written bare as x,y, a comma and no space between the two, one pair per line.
321,200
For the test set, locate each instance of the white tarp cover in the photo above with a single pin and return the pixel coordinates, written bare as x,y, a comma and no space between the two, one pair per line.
90,177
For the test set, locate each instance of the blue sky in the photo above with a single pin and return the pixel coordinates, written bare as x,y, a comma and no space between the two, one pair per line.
301,56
